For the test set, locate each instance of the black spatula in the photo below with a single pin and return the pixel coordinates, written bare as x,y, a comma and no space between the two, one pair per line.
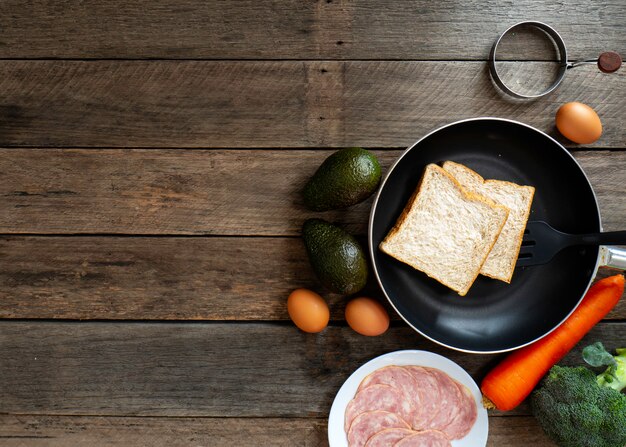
541,242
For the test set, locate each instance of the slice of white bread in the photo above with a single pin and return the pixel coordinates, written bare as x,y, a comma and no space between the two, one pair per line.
445,231
500,263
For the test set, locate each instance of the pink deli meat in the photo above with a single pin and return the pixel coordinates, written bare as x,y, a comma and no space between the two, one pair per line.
389,437
410,405
427,438
371,422
464,421
401,379
430,400
378,397
450,401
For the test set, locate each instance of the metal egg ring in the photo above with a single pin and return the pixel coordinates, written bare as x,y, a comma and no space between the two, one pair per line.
563,64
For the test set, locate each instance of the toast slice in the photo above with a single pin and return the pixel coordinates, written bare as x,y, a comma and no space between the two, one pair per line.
500,263
445,231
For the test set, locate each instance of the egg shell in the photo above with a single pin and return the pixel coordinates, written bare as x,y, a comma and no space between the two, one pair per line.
367,316
578,122
308,310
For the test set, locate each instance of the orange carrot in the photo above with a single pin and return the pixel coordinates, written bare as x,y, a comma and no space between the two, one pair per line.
511,381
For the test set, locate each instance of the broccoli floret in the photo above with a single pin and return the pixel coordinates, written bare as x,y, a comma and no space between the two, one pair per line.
615,374
575,411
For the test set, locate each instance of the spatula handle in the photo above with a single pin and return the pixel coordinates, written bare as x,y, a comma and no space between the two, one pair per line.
608,238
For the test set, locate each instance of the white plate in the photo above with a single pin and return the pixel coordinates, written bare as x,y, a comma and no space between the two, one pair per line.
477,437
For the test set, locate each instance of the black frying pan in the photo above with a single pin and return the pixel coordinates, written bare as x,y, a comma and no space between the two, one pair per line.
493,316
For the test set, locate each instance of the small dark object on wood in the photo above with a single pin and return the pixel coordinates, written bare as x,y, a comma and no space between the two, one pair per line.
609,62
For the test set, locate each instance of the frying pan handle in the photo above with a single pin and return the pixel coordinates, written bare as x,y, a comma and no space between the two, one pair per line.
613,257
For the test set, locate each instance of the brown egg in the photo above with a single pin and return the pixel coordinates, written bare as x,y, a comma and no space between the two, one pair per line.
578,122
367,316
308,310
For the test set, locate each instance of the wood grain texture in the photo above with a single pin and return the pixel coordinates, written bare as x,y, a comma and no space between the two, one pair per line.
55,431
293,29
243,279
201,369
101,233
61,431
521,431
286,104
191,192
148,278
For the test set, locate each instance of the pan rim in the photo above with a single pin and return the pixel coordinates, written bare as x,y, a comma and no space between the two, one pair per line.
375,206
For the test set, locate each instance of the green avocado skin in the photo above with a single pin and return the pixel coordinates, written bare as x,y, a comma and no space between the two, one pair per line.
347,177
336,256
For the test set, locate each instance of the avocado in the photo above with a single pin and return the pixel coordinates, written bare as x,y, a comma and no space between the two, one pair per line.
336,256
345,178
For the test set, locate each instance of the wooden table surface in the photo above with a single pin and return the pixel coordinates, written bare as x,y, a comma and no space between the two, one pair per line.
151,158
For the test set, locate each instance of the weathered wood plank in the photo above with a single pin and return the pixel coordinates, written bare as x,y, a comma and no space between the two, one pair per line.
519,431
220,370
271,104
61,431
233,192
53,431
147,278
162,278
363,29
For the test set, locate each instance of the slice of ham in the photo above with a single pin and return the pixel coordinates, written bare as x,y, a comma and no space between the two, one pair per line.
395,376
378,397
430,400
426,438
401,379
371,422
419,400
450,401
389,437
464,421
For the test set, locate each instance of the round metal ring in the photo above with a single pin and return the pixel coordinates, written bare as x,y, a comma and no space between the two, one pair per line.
563,64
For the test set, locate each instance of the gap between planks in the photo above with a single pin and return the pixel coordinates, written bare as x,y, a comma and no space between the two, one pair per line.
571,147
